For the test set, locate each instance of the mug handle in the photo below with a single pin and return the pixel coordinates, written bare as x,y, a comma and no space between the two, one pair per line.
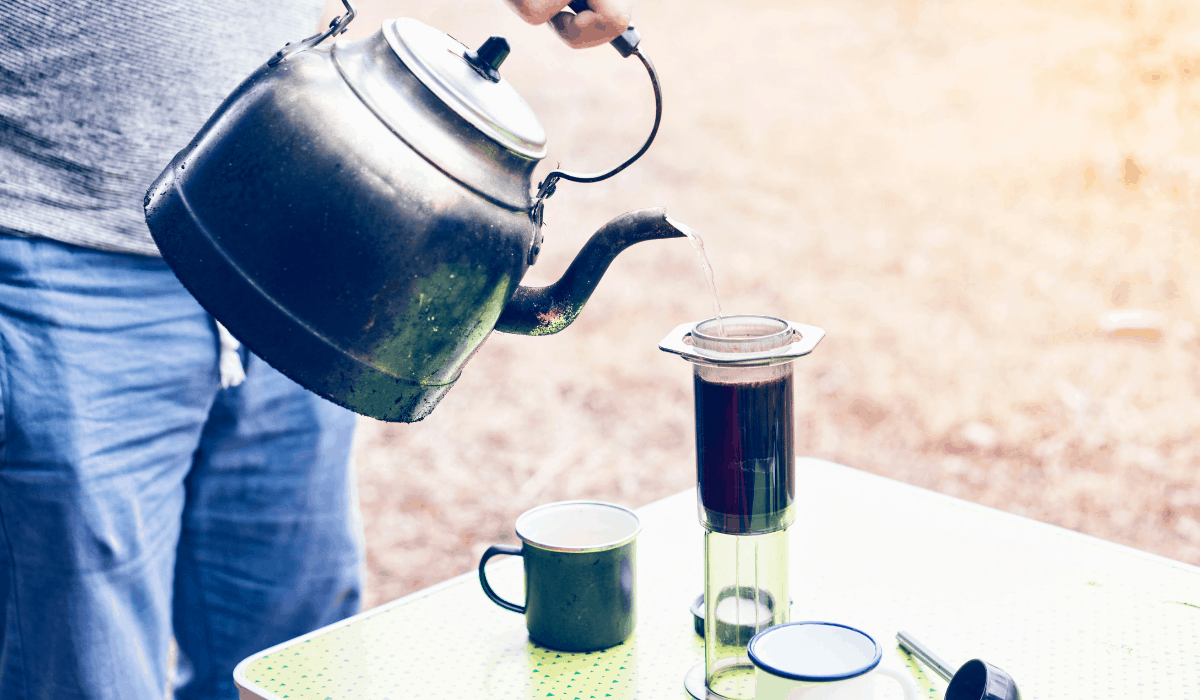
906,683
510,550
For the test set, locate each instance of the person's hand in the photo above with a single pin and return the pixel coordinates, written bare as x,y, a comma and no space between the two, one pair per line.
604,21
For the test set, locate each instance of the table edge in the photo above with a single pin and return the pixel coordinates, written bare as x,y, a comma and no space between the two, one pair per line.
239,675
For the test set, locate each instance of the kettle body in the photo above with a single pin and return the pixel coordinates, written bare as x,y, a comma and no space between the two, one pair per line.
349,225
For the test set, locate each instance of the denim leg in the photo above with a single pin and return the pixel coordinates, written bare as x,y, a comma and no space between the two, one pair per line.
107,375
271,546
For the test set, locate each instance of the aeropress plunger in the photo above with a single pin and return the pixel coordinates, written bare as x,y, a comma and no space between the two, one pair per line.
745,459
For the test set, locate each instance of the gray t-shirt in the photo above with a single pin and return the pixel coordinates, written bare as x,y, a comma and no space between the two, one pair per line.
97,96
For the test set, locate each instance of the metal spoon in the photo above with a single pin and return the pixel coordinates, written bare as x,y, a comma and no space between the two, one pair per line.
974,680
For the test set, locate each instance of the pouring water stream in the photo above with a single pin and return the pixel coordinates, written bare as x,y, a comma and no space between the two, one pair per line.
709,275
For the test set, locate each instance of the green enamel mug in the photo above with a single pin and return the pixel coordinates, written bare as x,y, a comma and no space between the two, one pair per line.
580,574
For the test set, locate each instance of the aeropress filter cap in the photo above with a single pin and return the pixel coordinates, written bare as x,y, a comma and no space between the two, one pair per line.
743,339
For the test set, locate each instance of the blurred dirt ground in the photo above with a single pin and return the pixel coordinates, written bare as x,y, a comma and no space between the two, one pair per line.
959,192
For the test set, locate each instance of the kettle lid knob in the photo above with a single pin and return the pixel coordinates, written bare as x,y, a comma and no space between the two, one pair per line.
488,57
472,87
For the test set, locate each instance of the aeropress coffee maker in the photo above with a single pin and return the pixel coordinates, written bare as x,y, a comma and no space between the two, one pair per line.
745,465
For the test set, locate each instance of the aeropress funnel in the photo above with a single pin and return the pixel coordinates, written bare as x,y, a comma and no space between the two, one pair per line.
745,464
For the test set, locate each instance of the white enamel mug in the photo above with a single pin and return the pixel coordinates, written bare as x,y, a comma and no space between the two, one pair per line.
819,661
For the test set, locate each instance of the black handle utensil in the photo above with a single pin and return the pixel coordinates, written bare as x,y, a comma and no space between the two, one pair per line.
974,680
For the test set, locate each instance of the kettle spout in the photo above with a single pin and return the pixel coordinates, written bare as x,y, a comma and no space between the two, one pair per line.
546,310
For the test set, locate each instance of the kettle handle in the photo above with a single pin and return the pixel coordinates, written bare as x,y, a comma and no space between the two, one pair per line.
336,27
627,45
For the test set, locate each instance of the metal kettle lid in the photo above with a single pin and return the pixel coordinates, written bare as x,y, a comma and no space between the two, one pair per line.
490,104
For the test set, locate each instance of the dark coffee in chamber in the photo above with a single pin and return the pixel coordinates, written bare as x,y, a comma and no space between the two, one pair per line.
744,454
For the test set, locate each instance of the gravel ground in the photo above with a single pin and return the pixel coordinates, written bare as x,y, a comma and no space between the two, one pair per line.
960,193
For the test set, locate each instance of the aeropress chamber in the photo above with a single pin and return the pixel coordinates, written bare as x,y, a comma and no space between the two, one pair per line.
745,465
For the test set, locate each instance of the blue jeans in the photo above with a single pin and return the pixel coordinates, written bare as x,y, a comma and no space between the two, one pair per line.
139,499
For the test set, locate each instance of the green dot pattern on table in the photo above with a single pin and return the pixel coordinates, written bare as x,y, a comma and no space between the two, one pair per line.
425,649
1077,619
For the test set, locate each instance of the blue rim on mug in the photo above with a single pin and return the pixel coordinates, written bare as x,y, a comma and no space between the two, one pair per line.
770,650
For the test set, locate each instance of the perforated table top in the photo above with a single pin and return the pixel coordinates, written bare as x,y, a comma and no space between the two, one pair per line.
1068,616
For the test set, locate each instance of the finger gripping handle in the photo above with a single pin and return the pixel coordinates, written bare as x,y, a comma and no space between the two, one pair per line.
492,551
625,44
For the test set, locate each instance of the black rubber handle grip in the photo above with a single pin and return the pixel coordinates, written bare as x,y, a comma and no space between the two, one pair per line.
625,44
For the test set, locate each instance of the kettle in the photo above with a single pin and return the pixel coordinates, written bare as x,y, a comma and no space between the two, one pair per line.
360,214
